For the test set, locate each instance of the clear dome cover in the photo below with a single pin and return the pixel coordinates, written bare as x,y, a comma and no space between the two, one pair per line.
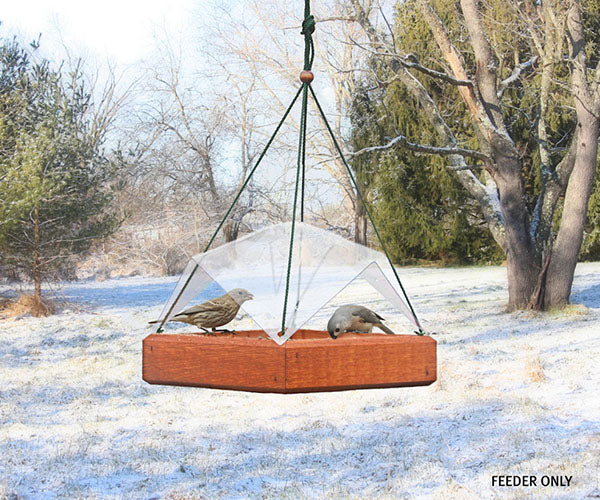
324,268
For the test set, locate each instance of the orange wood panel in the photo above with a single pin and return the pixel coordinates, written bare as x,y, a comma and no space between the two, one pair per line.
310,334
309,362
355,361
224,362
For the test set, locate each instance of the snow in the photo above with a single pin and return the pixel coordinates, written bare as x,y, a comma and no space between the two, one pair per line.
516,394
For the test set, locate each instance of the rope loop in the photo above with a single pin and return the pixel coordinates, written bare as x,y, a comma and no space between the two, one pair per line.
308,28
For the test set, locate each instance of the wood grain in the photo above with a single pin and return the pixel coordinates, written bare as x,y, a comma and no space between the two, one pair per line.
245,364
309,362
355,361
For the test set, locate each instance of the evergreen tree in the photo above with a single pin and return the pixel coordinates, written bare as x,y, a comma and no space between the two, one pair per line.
418,206
53,195
424,212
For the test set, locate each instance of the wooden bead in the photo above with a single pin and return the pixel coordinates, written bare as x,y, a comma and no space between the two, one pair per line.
306,76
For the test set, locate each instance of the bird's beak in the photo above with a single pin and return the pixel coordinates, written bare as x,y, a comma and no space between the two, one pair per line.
250,296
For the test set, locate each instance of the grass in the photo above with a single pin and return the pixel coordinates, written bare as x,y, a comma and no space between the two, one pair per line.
534,371
568,311
26,305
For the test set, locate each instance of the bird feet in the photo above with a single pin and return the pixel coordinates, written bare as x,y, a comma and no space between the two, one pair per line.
208,332
223,330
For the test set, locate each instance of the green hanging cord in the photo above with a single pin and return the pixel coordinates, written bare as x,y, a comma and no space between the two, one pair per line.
235,200
264,151
339,150
298,170
303,171
308,28
304,119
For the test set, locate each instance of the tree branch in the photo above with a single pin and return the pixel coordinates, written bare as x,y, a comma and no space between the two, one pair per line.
402,141
552,189
485,194
410,61
451,54
515,75
465,167
485,61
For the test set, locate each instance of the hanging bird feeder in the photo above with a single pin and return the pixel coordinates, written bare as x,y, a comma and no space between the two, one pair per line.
296,274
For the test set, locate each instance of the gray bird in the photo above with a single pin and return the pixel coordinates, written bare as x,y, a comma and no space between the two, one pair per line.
215,312
353,318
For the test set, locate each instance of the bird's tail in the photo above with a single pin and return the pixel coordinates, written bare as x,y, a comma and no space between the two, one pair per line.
154,322
385,328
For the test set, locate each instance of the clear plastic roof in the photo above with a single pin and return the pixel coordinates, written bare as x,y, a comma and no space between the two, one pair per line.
323,266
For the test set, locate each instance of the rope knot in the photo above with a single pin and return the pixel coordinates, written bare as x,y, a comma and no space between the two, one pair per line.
308,26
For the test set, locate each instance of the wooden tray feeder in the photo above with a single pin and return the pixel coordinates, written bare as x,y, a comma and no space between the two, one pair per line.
293,271
309,362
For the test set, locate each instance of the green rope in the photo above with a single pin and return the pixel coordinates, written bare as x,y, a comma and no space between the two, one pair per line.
339,150
287,112
301,145
308,28
164,320
264,151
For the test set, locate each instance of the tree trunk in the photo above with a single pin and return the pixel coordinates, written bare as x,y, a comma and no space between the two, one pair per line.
570,236
360,223
587,106
523,262
231,230
37,270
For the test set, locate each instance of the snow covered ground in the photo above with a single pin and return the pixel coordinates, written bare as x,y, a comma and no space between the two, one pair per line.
516,394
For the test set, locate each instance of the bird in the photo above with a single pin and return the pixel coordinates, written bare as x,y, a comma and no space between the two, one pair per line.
354,318
215,312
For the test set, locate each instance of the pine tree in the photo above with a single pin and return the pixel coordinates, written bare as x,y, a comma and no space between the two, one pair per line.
419,193
420,209
53,195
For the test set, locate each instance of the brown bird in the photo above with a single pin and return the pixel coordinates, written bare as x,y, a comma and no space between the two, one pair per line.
215,312
353,318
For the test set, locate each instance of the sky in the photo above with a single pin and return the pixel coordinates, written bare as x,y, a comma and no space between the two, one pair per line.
122,31
123,35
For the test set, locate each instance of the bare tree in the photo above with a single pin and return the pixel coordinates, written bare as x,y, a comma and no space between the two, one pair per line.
191,123
268,46
181,169
241,117
540,260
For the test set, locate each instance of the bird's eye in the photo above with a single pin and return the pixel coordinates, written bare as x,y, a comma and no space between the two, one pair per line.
337,329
